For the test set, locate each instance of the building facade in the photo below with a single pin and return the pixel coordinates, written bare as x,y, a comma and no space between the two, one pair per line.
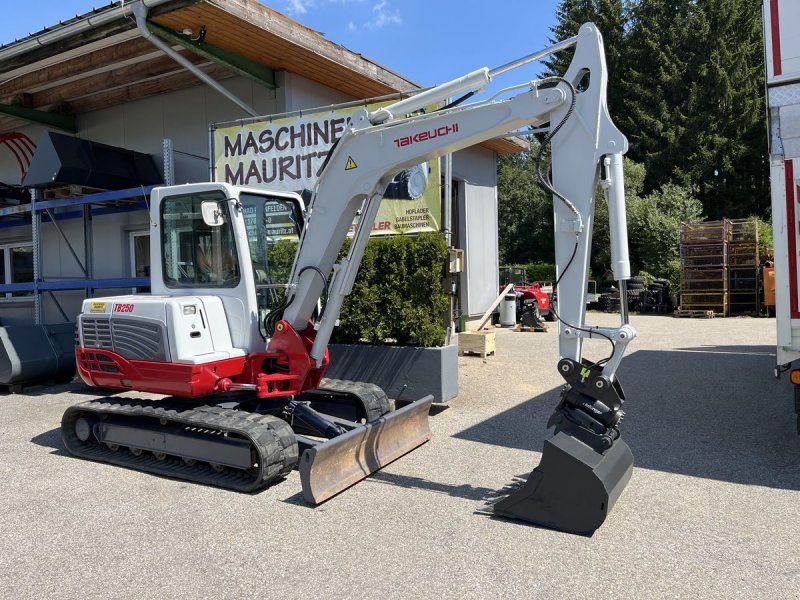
101,77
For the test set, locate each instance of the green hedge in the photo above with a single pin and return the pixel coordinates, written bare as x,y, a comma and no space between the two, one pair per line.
538,271
541,272
397,298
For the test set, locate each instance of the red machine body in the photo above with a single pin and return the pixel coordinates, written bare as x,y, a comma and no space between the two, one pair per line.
533,292
285,371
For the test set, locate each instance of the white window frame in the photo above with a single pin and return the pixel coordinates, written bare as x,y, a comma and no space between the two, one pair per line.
6,249
132,235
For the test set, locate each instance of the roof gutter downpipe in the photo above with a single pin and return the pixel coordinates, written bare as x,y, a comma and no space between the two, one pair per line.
140,12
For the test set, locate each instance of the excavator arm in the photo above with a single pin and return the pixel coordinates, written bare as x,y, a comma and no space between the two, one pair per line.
362,165
586,465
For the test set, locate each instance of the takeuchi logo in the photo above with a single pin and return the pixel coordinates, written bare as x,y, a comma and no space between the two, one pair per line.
426,135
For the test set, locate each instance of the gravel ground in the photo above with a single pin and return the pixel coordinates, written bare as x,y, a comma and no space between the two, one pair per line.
712,509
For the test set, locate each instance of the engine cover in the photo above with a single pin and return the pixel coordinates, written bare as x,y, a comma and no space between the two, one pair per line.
185,329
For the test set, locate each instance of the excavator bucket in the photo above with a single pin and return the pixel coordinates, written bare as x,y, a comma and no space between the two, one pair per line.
330,467
573,488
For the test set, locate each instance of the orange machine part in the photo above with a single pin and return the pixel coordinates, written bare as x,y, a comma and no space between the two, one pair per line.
769,286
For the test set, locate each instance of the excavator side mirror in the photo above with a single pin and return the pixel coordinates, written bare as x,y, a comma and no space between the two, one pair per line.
212,212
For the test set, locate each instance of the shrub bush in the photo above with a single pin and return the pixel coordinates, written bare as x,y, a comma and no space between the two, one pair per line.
397,297
540,272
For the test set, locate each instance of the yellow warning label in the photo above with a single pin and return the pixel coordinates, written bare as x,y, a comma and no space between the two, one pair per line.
98,307
351,164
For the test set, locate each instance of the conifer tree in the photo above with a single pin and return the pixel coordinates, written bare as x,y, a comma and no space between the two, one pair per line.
686,86
653,88
609,16
725,138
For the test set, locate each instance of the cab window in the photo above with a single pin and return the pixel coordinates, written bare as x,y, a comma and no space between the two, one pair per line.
196,254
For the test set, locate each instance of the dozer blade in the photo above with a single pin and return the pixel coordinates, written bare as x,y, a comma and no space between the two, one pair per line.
573,488
333,466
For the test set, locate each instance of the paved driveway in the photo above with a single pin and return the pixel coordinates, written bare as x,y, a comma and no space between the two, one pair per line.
712,510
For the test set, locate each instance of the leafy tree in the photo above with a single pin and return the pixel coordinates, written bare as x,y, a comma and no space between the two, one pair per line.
765,239
601,240
525,211
654,225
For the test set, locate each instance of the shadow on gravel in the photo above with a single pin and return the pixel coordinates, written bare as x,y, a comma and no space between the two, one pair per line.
49,388
43,388
297,500
466,491
89,392
714,412
51,439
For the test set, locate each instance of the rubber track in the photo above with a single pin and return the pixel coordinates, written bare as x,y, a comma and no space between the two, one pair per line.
272,438
373,398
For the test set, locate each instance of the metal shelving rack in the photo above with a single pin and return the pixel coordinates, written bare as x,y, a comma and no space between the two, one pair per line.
44,212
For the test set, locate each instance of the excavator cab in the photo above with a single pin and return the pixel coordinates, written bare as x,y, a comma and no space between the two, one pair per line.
273,225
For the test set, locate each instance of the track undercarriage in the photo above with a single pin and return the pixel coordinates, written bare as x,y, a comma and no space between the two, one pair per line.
247,444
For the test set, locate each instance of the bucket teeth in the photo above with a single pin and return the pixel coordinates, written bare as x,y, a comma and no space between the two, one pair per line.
573,488
331,467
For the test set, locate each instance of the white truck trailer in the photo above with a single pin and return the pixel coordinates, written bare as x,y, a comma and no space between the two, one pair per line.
782,45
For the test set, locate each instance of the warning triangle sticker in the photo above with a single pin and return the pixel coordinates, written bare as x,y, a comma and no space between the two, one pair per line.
351,164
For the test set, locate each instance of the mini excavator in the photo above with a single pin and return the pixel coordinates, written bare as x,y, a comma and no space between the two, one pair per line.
234,335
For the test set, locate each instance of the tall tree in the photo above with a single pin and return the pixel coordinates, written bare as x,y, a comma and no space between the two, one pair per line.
686,87
610,18
725,141
653,88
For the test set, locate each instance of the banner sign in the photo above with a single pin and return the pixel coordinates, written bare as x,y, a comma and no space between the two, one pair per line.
287,155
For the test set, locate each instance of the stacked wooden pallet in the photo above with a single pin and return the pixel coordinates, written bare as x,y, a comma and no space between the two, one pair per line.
69,191
704,262
720,267
743,268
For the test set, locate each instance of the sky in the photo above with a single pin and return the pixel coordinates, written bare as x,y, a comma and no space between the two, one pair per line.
426,41
429,41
